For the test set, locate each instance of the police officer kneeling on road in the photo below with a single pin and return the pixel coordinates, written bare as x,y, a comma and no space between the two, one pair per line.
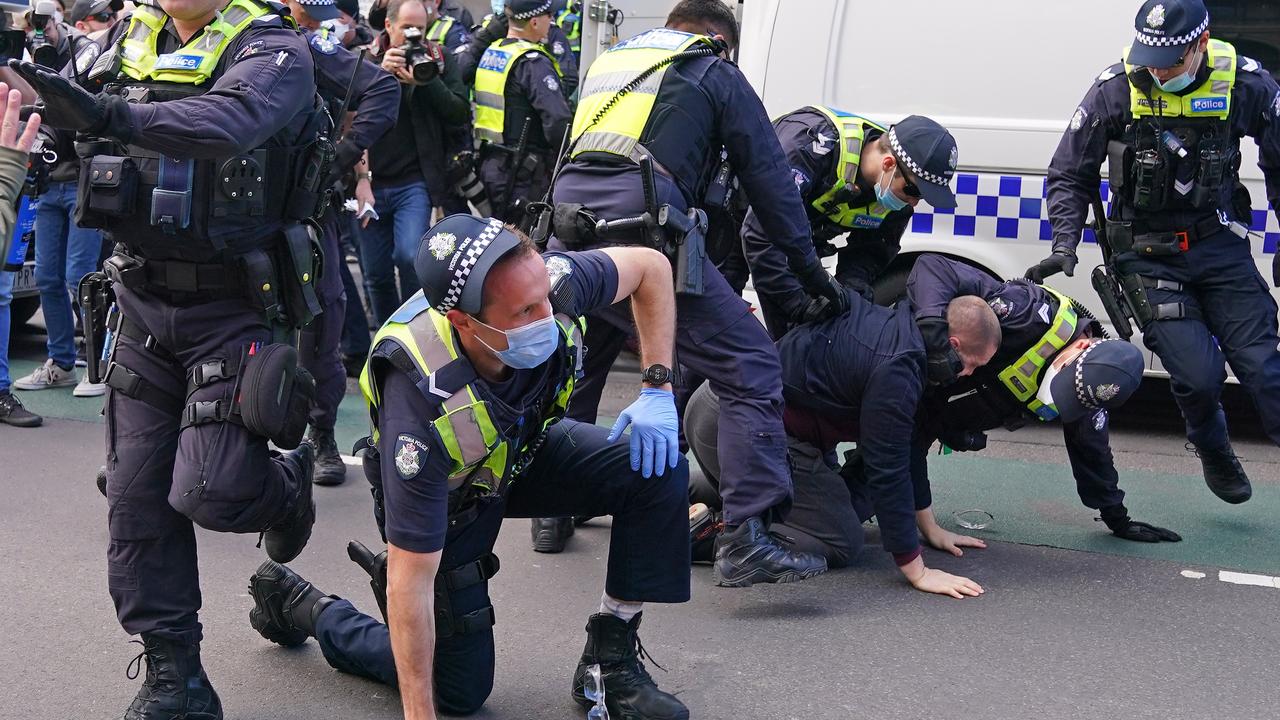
467,386
1042,332
197,161
1168,120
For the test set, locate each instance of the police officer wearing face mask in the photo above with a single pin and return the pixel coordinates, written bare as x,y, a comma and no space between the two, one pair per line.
1168,121
494,27
199,161
1042,331
852,182
466,387
375,99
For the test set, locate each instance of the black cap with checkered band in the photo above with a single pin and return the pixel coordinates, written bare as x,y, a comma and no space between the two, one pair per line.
454,257
928,152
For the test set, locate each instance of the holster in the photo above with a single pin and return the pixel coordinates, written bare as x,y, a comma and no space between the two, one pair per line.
371,464
276,395
1112,301
574,225
97,301
687,238
300,265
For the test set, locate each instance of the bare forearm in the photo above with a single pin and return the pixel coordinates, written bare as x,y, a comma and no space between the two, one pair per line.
411,620
654,306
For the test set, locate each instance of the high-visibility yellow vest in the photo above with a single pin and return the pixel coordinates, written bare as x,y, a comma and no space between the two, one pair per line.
618,130
1211,100
570,20
491,85
834,203
195,61
420,341
440,29
1022,378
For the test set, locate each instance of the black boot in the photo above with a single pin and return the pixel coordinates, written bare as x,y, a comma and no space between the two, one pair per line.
1224,474
175,687
101,480
285,606
551,534
629,692
286,539
749,554
330,470
705,526
376,566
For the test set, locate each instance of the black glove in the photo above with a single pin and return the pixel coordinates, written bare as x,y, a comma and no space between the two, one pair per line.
818,282
66,105
964,440
1117,518
1061,261
814,310
943,363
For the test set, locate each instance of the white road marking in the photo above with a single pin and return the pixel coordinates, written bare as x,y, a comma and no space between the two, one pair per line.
1192,574
1237,578
352,460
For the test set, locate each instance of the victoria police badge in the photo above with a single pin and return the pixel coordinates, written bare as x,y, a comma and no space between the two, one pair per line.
409,455
1106,392
1155,18
442,245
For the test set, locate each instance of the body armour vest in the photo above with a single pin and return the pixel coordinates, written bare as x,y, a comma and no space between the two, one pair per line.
499,118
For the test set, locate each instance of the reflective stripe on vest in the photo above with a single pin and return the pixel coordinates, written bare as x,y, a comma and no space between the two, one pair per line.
465,426
440,29
851,130
1022,378
1211,100
195,61
618,131
491,85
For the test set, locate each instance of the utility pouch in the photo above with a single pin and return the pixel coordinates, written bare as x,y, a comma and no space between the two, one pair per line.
97,301
1150,180
1119,237
276,395
1119,165
298,269
258,273
108,188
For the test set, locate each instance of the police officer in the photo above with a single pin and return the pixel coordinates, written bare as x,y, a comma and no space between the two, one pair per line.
1038,326
466,386
375,98
568,15
521,111
197,159
495,27
852,183
669,100
1168,120
856,377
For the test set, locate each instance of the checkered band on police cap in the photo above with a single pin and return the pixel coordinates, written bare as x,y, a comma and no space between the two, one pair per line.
901,154
470,256
525,9
1173,40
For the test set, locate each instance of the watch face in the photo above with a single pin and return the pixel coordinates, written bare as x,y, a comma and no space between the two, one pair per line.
657,374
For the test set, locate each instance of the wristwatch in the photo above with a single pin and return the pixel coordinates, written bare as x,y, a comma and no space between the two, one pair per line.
657,374
364,176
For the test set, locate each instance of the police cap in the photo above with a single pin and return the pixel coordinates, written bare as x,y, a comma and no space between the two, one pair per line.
928,151
525,9
84,8
454,257
1102,377
320,9
1165,29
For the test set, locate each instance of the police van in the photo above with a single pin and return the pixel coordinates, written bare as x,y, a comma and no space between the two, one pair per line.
1005,77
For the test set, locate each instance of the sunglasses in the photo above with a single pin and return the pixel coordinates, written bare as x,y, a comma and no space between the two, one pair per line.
105,16
908,185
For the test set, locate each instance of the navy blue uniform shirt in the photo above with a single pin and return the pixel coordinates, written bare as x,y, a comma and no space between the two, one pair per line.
812,148
859,377
375,93
1074,173
416,507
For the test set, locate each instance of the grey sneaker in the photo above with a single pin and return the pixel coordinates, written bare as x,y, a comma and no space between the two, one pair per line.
47,376
12,412
85,389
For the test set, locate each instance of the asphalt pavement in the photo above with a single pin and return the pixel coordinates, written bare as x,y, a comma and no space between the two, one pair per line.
1074,624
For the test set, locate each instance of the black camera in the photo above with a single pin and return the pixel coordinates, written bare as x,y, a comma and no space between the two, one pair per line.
418,56
43,52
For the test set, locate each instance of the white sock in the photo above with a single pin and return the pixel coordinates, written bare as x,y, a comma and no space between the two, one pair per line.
618,608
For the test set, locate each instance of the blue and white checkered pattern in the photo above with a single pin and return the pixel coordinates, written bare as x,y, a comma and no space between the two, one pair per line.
1009,207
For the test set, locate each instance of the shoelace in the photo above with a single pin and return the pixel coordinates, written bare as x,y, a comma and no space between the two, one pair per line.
1191,448
135,665
9,402
641,652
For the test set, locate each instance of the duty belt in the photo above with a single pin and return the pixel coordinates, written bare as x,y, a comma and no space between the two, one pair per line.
1172,242
172,275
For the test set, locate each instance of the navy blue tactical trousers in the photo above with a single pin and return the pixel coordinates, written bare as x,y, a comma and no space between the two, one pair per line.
318,343
1237,320
161,479
355,328
575,473
717,337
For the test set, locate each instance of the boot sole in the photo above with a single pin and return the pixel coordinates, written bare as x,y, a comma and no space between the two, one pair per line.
329,477
618,713
549,546
260,620
762,576
1233,498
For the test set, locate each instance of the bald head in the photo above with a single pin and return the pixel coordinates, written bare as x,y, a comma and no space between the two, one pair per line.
975,331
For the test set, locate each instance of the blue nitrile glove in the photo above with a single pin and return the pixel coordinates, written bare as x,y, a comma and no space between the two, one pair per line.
654,431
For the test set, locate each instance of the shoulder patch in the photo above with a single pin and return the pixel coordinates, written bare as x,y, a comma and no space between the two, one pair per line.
252,48
552,84
322,43
1248,64
558,268
1077,120
410,455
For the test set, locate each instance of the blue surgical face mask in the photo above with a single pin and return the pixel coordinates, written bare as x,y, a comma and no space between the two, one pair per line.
886,196
1179,83
528,346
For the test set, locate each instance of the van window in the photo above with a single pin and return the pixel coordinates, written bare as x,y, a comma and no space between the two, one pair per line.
1253,26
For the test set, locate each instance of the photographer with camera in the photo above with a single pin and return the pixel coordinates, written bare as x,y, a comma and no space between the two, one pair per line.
408,163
